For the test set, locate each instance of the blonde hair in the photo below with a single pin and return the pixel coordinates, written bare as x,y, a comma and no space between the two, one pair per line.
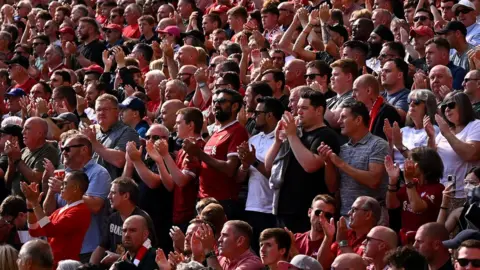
8,257
156,64
202,56
108,97
361,13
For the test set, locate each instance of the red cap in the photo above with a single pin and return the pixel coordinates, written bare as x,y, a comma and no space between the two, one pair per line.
220,9
94,68
67,30
113,26
422,31
172,30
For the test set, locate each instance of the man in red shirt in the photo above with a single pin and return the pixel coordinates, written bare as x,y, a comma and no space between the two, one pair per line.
220,158
18,69
152,89
184,170
363,216
275,244
67,226
308,243
132,13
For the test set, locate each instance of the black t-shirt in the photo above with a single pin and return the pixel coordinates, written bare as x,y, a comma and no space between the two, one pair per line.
149,41
389,112
299,187
250,126
112,231
284,100
4,191
93,51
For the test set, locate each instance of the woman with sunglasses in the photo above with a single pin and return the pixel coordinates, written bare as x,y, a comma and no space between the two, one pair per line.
420,197
458,143
457,216
422,104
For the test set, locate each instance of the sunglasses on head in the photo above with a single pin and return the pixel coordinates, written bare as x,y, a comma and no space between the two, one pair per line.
450,105
420,18
415,101
154,137
463,11
326,214
464,262
68,148
311,76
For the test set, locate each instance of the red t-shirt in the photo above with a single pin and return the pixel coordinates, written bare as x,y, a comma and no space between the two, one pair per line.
27,86
184,198
432,195
152,106
353,242
305,246
222,143
131,31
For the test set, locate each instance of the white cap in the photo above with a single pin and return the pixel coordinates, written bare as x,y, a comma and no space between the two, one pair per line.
465,3
301,261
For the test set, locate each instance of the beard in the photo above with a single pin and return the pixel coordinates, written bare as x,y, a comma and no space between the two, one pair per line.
83,37
375,49
222,116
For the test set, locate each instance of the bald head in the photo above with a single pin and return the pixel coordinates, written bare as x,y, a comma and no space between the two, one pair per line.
286,5
385,234
368,80
173,104
187,69
434,231
350,261
442,69
187,55
136,221
297,64
166,22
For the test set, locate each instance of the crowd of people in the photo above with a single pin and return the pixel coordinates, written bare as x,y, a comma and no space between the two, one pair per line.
240,134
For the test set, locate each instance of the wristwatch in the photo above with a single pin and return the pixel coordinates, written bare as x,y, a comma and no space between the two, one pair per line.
411,184
403,149
256,163
343,243
44,115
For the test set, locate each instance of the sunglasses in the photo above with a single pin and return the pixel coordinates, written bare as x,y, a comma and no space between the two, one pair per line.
68,148
327,215
155,137
257,113
311,76
450,105
463,11
420,18
221,100
415,101
466,80
465,262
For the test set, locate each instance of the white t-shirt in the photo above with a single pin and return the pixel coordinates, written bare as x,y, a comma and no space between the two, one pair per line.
260,196
411,138
452,163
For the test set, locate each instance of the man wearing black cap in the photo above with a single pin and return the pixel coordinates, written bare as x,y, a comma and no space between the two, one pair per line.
194,34
18,69
13,102
133,111
8,133
455,33
66,121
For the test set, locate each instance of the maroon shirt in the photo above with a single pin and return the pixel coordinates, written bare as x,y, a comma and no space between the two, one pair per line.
305,246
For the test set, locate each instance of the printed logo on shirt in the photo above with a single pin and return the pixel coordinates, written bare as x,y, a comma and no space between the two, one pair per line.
115,229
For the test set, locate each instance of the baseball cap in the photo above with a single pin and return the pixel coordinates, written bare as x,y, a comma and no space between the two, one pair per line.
460,237
194,33
11,129
464,3
19,60
172,30
340,29
16,92
114,26
133,103
93,69
67,30
67,116
421,31
453,26
302,262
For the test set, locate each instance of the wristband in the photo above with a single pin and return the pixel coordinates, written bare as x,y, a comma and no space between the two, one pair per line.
444,208
202,84
343,243
29,210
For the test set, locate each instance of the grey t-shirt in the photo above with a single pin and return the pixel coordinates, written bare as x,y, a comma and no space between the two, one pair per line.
370,149
462,60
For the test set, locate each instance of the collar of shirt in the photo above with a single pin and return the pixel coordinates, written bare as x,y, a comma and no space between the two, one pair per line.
112,128
273,30
227,126
239,258
364,140
270,135
71,205
471,27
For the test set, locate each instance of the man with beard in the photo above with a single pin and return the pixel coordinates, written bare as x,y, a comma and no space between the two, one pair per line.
260,196
361,29
309,242
254,91
186,75
296,147
358,51
378,37
123,198
379,242
90,51
220,158
275,245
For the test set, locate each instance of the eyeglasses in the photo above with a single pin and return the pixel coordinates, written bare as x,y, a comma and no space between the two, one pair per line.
183,74
386,56
155,137
327,215
368,239
464,262
420,18
311,76
463,11
450,105
221,100
68,148
415,101
466,80
257,113
356,209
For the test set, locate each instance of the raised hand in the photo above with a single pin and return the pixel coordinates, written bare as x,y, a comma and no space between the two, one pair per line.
397,135
289,124
392,169
32,192
324,13
328,226
162,147
132,151
151,151
246,156
161,260
427,125
90,132
442,124
201,75
48,168
178,238
388,130
206,236
342,229
409,168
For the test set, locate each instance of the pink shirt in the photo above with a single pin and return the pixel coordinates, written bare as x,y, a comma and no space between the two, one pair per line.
247,261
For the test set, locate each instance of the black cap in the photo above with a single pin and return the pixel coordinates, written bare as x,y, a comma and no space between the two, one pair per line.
67,117
20,60
133,103
464,235
453,26
11,129
340,29
384,32
194,33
